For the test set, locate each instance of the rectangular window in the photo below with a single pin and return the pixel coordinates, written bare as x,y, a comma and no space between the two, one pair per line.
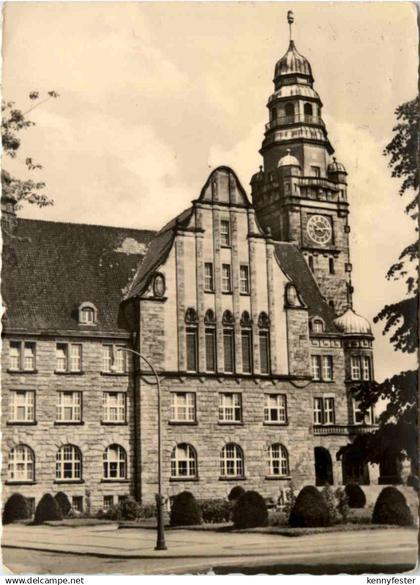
77,503
230,407
108,502
114,407
210,349
244,279
183,406
356,368
120,359
329,411
229,351
29,356
114,359
75,357
69,408
192,349
208,277
22,406
331,267
22,355
275,410
15,348
360,418
366,368
318,411
327,368
316,171
225,232
106,358
68,357
226,280
61,357
246,341
316,367
264,352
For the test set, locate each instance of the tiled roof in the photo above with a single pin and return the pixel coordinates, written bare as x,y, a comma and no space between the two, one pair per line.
294,265
50,268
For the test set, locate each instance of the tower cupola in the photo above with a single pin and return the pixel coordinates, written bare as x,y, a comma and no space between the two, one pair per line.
292,64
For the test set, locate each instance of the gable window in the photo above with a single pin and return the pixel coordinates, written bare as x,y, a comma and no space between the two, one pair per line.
68,357
68,463
183,461
183,406
278,460
114,407
21,464
22,355
225,232
275,410
230,407
69,408
324,410
114,359
226,279
244,279
232,461
22,406
115,462
87,314
356,367
208,277
317,325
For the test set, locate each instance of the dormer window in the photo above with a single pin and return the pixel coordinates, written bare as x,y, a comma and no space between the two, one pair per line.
87,314
318,325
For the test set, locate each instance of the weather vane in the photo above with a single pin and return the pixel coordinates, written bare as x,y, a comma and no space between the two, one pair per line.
290,20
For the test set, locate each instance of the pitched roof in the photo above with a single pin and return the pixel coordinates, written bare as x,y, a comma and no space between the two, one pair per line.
50,268
294,265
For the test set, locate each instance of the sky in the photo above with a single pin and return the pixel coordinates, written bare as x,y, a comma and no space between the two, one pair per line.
153,96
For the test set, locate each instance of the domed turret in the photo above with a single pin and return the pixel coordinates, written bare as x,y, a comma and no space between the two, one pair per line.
336,167
288,160
350,323
293,63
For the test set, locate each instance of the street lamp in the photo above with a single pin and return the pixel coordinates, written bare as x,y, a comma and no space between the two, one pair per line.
160,537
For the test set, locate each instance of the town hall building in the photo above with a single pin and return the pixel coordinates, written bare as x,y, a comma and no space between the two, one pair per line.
244,306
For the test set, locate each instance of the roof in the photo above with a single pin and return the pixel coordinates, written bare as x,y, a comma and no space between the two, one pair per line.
292,63
50,268
350,323
294,265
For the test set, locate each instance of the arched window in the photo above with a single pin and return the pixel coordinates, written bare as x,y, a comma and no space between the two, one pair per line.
264,342
246,342
183,461
87,314
115,462
231,461
308,111
68,463
318,325
289,110
228,342
210,334
21,464
278,460
191,334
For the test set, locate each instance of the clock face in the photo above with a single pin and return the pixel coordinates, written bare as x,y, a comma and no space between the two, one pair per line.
319,229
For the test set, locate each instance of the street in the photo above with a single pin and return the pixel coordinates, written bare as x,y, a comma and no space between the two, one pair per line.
61,550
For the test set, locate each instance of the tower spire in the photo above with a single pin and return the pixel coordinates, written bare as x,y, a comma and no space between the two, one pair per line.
290,20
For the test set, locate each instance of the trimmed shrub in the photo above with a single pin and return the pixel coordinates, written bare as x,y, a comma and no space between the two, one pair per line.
391,508
356,496
277,518
147,511
16,508
235,493
47,509
127,509
63,503
112,513
215,511
250,511
343,507
329,498
310,509
185,510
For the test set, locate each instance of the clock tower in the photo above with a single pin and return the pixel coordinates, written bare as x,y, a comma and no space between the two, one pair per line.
300,193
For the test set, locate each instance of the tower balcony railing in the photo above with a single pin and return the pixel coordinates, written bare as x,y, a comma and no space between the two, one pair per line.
344,429
296,119
317,182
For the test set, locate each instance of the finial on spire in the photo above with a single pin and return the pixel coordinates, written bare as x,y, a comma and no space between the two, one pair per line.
290,20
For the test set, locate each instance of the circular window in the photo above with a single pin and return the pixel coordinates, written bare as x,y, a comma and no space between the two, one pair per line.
159,285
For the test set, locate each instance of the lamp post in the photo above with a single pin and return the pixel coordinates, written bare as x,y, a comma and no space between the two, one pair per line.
160,537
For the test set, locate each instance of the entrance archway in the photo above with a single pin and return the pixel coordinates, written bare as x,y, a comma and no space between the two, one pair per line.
323,467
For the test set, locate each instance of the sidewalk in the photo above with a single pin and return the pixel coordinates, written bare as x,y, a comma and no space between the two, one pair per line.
139,543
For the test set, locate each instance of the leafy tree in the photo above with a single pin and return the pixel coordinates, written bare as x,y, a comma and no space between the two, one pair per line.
14,122
397,433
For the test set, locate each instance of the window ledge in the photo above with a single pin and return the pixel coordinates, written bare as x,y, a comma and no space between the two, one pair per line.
323,381
69,373
59,423
114,423
227,292
235,423
115,480
232,478
11,371
20,482
275,424
278,477
190,423
26,423
245,294
70,481
114,374
209,292
175,479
